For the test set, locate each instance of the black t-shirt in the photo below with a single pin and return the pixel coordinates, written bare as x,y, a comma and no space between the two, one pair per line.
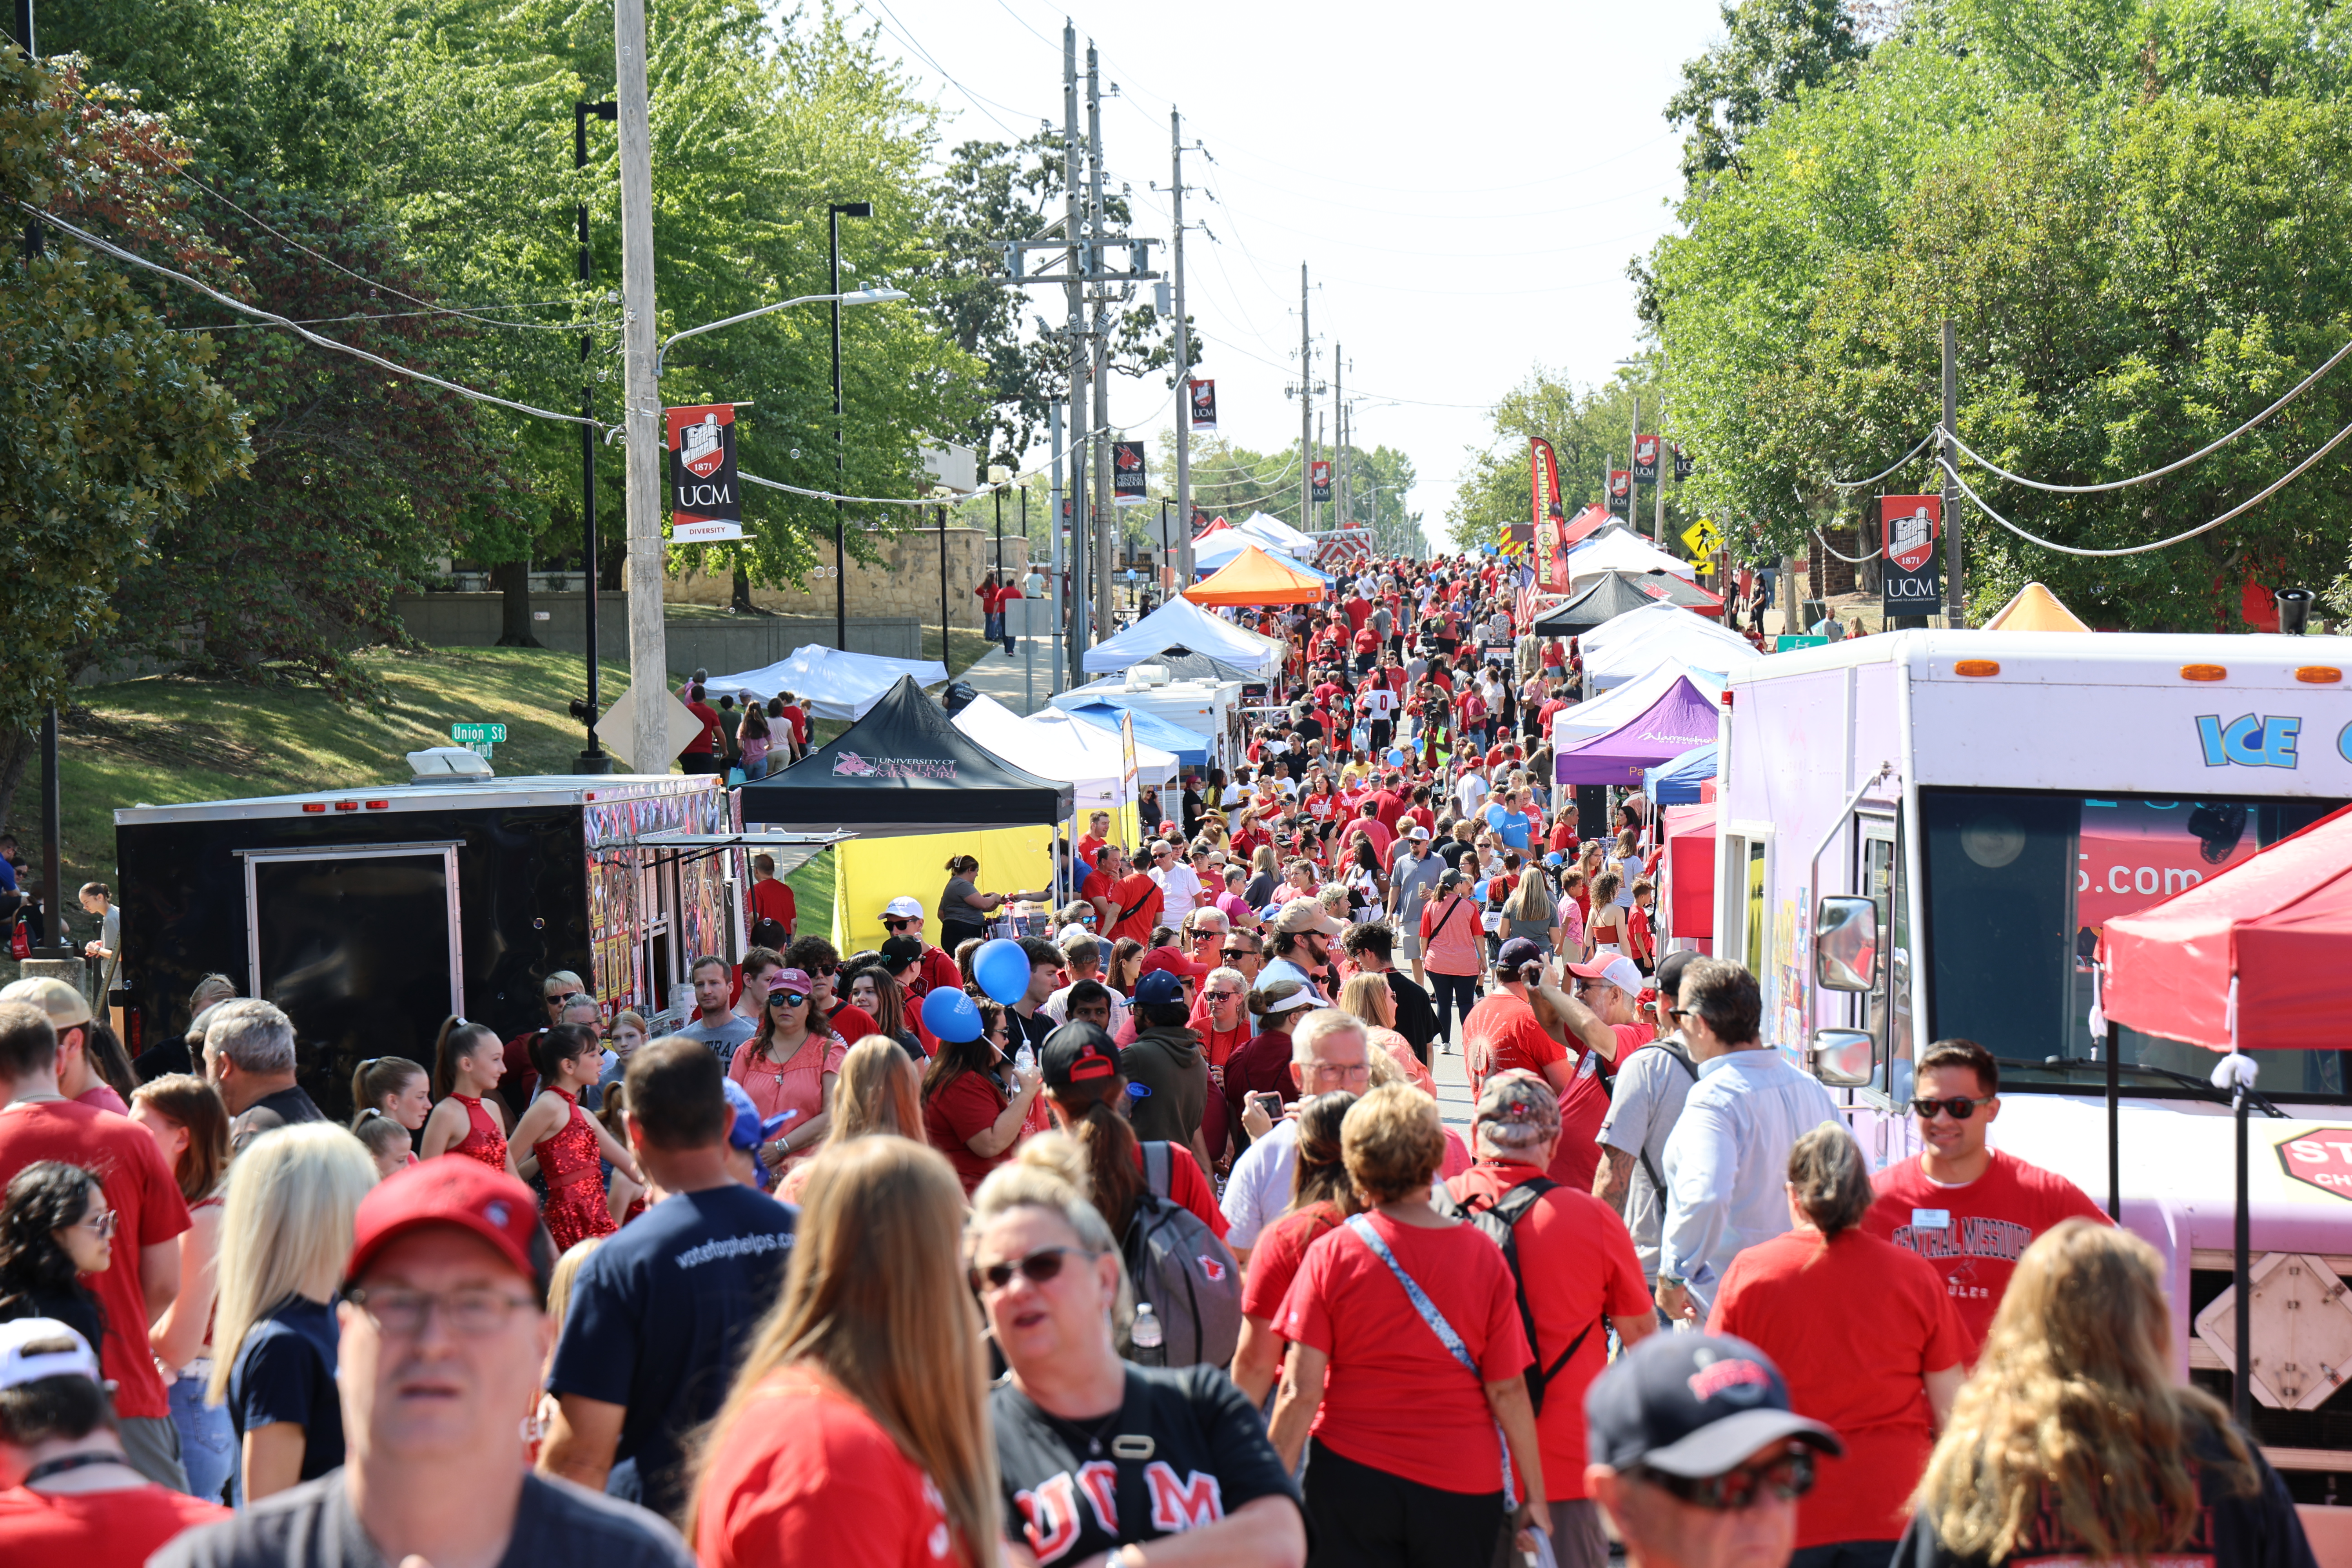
285,1371
658,1315
2258,1531
315,1526
287,1107
1416,1019
1451,852
1185,1450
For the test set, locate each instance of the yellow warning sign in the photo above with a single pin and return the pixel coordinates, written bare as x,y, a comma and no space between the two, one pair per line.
1703,538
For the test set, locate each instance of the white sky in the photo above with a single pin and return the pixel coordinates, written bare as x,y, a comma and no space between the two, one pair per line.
1465,184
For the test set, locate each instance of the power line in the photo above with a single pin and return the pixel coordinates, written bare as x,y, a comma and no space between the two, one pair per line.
1861,484
406,315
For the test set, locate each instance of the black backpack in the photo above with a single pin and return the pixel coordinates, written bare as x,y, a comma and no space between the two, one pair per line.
1500,1220
1176,1263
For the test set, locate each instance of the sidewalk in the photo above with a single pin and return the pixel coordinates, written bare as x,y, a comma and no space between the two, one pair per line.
1022,682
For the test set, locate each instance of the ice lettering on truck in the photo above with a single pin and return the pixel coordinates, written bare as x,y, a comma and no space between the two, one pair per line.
2249,741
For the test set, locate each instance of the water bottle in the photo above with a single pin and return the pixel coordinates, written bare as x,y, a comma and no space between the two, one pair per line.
1144,1334
1024,1060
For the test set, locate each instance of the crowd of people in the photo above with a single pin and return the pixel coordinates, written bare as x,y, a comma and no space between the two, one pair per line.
1136,1237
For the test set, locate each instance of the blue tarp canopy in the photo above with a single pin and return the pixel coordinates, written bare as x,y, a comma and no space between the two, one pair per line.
1675,780
1151,729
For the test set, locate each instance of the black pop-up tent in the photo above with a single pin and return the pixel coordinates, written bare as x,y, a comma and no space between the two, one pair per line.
904,769
1613,594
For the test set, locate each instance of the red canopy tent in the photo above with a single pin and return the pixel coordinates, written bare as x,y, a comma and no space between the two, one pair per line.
2255,951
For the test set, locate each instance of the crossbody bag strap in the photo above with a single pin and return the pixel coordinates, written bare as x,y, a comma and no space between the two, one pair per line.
1362,1226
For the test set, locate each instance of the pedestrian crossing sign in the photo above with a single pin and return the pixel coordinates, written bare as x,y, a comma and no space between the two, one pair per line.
1703,537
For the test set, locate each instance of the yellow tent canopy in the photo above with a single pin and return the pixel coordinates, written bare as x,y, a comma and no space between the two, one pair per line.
1253,577
2035,609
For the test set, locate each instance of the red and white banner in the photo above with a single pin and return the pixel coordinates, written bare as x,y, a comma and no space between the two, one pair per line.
1205,404
1551,517
702,485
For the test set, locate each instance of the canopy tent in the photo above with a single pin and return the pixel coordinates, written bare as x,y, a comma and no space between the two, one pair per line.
2035,609
1253,577
1612,593
1218,547
1585,524
1582,720
1682,717
1182,664
903,768
1623,553
1189,749
1603,529
1675,780
1052,744
1640,640
1278,533
1689,868
833,684
1181,622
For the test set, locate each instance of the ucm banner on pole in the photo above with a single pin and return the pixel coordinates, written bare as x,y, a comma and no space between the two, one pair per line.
1621,492
702,484
1204,405
1645,459
1909,581
1549,517
1319,478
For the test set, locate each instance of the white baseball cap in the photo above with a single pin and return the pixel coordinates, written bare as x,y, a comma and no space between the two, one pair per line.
1416,831
903,909
18,1368
1617,969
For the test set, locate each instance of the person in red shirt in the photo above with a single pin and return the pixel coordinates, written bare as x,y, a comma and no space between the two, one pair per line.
1367,643
40,1123
1969,1210
1512,1034
1357,609
70,1493
903,917
703,752
1097,888
1320,1199
1098,835
1576,1268
771,898
1136,900
1866,1338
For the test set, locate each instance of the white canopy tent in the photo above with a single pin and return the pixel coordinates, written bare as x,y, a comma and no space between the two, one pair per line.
1278,533
1057,745
1627,701
1632,645
1180,623
833,684
1219,548
1625,552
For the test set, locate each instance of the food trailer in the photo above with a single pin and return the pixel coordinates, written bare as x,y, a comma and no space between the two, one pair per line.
371,914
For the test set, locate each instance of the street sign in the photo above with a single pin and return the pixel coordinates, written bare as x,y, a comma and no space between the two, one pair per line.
465,732
1788,642
1703,537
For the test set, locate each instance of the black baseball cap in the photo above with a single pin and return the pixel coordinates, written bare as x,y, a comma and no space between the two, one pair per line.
1693,1405
1518,951
1670,973
1078,1053
901,952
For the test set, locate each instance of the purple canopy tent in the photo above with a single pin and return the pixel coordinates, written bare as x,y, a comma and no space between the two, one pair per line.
1681,718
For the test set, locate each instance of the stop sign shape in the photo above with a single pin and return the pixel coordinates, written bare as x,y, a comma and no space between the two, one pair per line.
2321,1157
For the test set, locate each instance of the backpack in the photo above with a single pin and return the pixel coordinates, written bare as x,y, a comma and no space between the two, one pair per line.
1175,1262
1500,1220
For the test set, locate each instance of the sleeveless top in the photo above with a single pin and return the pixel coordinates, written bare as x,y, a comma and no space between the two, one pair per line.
570,1155
483,1139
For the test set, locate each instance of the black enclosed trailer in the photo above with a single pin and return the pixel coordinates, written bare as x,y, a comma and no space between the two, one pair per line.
371,914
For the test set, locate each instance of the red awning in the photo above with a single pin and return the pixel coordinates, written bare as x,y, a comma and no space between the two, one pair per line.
2279,923
1690,870
1589,520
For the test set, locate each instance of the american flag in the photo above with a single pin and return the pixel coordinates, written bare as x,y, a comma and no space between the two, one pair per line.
1523,610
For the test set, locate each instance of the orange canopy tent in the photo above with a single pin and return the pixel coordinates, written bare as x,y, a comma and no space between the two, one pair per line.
1253,577
2035,609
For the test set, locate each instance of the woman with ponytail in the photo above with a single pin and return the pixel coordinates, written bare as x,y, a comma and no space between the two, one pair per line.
470,1120
1085,1083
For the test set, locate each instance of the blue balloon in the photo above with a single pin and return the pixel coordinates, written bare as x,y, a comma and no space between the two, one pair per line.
1396,758
1003,970
951,1015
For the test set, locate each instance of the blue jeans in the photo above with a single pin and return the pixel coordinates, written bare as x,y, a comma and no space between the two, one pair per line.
207,1444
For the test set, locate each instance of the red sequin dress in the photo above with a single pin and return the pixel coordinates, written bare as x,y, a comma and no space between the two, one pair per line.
483,1140
570,1163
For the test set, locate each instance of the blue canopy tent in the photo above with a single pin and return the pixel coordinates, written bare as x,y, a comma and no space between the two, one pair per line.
1675,780
1151,730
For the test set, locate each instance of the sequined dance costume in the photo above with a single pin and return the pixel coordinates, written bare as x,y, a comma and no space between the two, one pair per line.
570,1163
483,1140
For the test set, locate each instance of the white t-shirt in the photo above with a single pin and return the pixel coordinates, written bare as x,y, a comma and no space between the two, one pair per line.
1180,890
1469,790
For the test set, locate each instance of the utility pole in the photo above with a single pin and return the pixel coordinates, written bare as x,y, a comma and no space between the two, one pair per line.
1658,485
1106,516
1054,533
1072,156
593,760
1306,413
1184,361
1633,484
1956,613
641,397
835,213
1339,428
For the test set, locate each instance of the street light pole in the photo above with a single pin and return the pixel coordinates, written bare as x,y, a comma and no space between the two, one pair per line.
593,760
833,215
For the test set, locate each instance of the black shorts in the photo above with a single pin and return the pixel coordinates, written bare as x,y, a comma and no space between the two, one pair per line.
1366,1518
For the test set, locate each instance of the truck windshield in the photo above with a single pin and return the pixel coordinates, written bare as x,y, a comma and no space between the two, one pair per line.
2017,887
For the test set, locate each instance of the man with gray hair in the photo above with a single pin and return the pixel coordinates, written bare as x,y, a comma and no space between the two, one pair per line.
1329,1052
249,1057
1082,959
1574,1265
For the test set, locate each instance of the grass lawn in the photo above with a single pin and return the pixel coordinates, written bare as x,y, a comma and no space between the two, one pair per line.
163,739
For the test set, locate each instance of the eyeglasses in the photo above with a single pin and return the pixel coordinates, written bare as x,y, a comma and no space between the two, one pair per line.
786,998
1360,1072
100,1225
473,1312
1786,1477
1037,1267
1959,1107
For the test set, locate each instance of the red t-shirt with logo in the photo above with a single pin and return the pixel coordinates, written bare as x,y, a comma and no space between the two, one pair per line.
1855,1324
1578,1263
148,1211
1973,1235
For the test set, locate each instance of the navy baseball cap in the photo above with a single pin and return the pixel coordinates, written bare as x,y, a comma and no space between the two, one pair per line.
1159,989
1693,1405
1514,952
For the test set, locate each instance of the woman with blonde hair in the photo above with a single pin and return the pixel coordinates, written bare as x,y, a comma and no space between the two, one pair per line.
857,1428
1368,996
1529,912
879,1091
286,1231
2073,1439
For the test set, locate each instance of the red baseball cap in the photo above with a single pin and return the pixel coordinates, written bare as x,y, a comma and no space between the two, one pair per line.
1173,962
455,1190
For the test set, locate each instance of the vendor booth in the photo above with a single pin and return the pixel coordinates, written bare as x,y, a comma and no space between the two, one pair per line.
1623,553
1682,717
831,684
1612,593
917,789
1181,623
1253,577
1641,640
1583,720
1680,781
1189,749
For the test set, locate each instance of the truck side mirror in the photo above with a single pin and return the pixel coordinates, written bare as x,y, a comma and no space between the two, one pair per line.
1846,943
1844,1059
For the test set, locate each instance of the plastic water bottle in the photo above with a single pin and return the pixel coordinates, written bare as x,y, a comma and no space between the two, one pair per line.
1145,1334
1024,1060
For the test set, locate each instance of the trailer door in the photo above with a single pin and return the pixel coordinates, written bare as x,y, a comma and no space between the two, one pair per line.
359,944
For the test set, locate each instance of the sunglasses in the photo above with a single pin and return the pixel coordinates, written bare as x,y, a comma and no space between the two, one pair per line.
1037,1267
824,968
1959,1107
100,1225
889,924
1220,996
1785,1478
786,998
1236,952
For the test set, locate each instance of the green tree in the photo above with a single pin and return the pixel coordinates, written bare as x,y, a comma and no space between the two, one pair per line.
1591,430
1771,50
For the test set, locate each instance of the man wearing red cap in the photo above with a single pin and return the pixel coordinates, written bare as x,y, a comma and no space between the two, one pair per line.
444,1330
